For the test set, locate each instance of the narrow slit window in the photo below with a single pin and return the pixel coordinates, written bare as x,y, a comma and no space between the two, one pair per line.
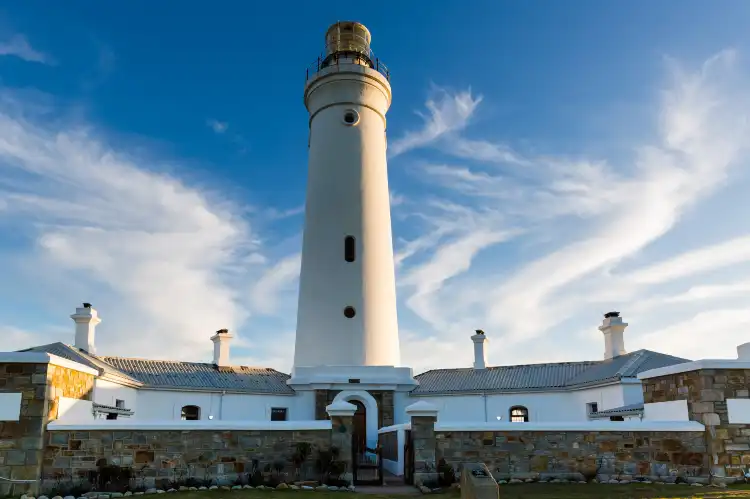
350,249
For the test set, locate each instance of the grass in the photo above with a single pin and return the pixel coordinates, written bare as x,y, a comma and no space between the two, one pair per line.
520,491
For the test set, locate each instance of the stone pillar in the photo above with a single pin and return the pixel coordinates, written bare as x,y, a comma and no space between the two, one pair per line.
705,386
423,418
341,414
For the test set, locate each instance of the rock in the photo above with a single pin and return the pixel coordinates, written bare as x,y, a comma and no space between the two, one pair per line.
60,497
69,497
213,487
333,488
282,485
294,487
424,490
160,491
43,497
202,488
624,481
171,490
115,494
150,491
696,484
613,481
261,487
127,494
236,487
321,487
351,488
515,480
307,487
247,486
499,482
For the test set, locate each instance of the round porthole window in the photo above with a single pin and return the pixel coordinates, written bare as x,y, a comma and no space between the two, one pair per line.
349,312
351,117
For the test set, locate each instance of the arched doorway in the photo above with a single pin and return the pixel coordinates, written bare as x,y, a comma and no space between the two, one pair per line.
359,426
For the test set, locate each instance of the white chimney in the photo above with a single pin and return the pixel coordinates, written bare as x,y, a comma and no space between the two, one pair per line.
613,329
480,356
86,320
221,347
743,351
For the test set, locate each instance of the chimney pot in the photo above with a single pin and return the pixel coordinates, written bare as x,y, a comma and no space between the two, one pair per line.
86,319
480,355
221,347
613,329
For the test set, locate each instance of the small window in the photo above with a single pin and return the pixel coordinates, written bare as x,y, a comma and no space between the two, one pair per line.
354,380
351,117
616,418
120,404
349,312
592,408
350,249
112,415
278,414
191,413
519,414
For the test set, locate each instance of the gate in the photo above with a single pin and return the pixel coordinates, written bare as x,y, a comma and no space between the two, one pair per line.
367,464
408,458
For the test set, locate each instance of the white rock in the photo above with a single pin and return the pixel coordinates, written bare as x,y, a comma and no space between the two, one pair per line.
294,487
247,486
236,487
351,488
424,490
213,487
159,491
501,482
696,484
69,497
581,481
305,487
202,488
515,480
150,491
321,487
43,497
613,481
57,497
333,488
115,494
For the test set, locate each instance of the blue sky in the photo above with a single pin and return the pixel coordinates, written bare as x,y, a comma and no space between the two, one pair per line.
549,162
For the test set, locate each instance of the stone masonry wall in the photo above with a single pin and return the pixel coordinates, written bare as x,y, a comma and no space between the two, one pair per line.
706,391
161,456
22,442
541,454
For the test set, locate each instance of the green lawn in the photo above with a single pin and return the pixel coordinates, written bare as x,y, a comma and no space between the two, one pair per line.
520,491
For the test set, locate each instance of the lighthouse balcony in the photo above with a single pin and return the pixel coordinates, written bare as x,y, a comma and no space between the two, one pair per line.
336,60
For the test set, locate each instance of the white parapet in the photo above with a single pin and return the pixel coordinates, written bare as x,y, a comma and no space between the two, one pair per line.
574,426
170,425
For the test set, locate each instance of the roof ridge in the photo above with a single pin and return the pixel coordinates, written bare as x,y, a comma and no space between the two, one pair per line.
168,361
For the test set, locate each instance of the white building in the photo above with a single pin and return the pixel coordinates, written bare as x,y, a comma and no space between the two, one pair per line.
347,342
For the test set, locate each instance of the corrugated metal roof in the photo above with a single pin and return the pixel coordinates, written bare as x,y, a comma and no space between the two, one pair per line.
540,376
619,411
72,353
169,374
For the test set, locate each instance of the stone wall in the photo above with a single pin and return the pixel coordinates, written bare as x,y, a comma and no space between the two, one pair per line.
706,391
160,456
536,454
384,399
22,442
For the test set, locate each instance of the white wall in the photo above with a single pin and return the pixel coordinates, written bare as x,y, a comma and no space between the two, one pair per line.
75,410
10,406
675,410
165,405
542,406
106,393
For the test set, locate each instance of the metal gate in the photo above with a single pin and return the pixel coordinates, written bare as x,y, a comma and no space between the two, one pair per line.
408,458
367,465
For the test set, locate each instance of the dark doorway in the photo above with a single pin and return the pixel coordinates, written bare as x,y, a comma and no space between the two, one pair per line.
359,425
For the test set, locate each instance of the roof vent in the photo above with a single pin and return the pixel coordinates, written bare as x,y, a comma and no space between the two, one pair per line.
611,314
86,305
479,331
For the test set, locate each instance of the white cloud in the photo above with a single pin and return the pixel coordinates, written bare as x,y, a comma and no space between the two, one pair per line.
266,292
149,251
601,214
446,113
217,126
19,46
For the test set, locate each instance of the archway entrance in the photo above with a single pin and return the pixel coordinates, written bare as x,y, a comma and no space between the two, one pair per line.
359,426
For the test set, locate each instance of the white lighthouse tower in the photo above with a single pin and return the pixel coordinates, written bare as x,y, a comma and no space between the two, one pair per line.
346,318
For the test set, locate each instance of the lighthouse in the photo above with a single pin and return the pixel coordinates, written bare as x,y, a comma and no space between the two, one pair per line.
346,312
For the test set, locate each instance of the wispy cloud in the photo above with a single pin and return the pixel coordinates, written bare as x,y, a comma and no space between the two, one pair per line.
217,126
601,212
266,292
446,113
18,46
150,251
